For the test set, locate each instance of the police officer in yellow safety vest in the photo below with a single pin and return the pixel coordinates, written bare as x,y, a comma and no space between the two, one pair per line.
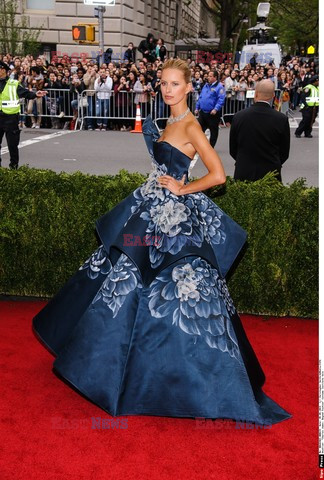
308,107
10,92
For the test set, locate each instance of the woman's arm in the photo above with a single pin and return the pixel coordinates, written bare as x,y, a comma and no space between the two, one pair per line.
109,84
86,79
228,85
138,87
216,174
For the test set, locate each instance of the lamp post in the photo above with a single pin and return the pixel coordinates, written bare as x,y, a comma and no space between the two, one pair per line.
101,11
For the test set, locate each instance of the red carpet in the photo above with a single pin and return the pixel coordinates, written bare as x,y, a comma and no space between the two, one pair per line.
47,434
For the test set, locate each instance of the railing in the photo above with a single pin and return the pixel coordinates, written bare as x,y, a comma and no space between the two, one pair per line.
91,106
104,106
57,104
122,106
233,105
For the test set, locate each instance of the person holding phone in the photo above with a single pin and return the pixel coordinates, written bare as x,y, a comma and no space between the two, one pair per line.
143,90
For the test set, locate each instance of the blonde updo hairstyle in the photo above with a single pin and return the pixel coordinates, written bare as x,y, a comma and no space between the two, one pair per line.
179,65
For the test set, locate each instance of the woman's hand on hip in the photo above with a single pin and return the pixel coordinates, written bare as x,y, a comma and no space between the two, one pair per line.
172,184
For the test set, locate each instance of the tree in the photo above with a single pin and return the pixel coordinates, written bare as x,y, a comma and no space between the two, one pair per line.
15,36
295,23
230,16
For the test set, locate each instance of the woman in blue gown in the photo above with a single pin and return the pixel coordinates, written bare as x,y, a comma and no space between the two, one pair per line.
146,326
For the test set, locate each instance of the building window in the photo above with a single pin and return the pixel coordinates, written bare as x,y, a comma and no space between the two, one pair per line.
40,4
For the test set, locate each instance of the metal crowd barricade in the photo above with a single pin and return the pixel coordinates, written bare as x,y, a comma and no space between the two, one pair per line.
229,109
122,106
90,107
119,106
55,105
233,105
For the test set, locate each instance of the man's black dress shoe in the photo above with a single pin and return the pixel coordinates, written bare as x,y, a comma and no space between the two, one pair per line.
297,136
308,136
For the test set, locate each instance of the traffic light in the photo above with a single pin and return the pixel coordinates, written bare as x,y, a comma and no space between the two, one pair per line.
83,33
79,32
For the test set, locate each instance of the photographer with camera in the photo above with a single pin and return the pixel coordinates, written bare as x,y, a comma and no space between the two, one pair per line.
130,54
89,80
121,89
160,50
147,48
35,84
159,105
143,90
77,87
103,86
231,87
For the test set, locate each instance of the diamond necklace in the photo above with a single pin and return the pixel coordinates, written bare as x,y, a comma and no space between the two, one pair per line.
171,120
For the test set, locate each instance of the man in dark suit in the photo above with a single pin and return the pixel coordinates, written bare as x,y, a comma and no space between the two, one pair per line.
259,137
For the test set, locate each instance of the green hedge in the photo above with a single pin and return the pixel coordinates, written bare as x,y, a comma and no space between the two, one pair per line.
47,231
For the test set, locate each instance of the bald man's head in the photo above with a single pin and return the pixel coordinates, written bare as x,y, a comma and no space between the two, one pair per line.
264,90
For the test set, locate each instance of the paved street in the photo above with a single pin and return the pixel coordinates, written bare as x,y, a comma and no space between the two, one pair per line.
107,152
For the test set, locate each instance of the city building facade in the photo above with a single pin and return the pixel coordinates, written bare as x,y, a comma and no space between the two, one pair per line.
126,21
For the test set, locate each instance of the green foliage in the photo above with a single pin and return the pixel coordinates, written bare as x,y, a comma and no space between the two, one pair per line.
47,230
278,273
296,23
15,35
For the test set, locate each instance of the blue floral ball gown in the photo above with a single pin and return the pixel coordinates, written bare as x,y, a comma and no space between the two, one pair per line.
147,326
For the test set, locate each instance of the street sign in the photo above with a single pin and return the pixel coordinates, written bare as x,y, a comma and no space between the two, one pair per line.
310,50
100,3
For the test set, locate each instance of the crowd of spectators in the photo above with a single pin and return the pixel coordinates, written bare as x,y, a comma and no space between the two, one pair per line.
133,82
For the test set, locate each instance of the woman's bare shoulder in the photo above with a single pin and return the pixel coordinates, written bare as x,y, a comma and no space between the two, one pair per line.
193,128
191,122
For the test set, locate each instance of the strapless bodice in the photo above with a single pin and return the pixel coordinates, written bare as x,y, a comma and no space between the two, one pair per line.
174,162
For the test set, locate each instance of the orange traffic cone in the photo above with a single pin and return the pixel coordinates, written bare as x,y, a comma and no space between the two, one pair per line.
138,121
